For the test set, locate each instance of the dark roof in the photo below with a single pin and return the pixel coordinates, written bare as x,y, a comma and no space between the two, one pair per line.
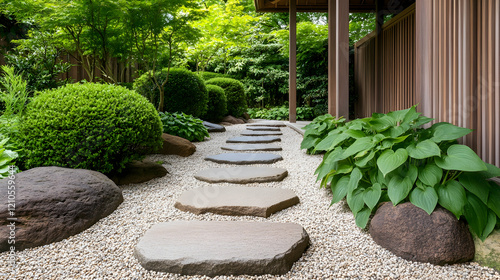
355,6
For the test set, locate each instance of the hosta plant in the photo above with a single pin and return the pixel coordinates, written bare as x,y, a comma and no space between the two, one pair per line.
391,157
7,158
185,126
318,130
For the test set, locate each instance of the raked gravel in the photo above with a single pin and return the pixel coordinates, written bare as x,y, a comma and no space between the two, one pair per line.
339,249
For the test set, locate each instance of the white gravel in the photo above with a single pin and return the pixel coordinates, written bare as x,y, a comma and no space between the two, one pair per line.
339,249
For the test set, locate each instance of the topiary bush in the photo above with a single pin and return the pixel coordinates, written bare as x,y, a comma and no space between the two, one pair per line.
184,92
210,75
235,93
89,126
217,103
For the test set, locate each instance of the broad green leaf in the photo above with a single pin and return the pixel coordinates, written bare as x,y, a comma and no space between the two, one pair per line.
425,199
424,149
476,214
390,160
411,115
362,217
430,174
359,145
355,200
476,185
309,142
339,190
356,176
452,197
412,173
492,171
325,144
494,198
400,115
446,131
382,123
344,167
398,189
421,120
462,158
372,195
356,134
490,225
364,161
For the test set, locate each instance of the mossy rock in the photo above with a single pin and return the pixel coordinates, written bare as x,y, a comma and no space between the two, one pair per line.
488,252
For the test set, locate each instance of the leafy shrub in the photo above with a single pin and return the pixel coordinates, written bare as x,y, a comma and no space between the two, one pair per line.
14,94
89,126
318,130
280,113
217,103
184,91
210,75
185,126
390,157
7,158
235,93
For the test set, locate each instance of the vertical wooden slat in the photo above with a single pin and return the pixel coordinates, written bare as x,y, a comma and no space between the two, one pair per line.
292,81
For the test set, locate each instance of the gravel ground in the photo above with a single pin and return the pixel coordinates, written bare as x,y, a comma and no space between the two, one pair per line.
339,249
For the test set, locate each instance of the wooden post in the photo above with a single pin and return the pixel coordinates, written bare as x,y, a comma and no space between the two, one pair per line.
423,56
292,81
332,57
379,69
342,60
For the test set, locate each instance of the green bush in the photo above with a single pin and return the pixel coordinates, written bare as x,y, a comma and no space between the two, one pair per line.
280,113
235,93
390,157
210,75
7,158
185,126
217,103
89,126
184,92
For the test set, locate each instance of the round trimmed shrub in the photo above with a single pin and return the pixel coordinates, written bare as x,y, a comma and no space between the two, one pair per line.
210,75
184,92
89,126
217,103
235,93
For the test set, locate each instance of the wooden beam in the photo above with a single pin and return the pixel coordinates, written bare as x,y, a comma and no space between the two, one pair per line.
342,60
292,81
332,57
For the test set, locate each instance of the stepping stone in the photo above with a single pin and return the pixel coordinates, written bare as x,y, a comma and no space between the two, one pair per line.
236,201
241,175
273,124
245,158
264,128
212,127
254,139
222,248
260,133
252,147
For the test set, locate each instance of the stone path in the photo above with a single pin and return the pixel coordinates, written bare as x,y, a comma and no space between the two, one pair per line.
234,247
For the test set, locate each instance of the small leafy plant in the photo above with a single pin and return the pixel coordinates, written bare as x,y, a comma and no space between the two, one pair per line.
280,113
7,158
183,125
391,157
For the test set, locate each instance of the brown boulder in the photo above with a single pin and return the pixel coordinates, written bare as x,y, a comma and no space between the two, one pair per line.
53,203
232,120
412,234
136,172
175,145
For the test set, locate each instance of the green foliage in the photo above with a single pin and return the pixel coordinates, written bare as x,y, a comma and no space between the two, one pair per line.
184,92
183,125
14,94
7,158
217,103
390,157
210,75
89,126
235,93
280,113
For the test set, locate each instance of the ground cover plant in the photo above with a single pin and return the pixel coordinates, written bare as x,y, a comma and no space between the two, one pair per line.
7,158
391,157
89,126
183,125
280,113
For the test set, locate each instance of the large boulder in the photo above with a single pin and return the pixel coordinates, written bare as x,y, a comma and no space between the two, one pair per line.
488,252
53,203
232,120
175,145
412,234
136,172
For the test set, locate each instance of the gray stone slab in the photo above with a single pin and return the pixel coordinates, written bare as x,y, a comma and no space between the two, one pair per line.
212,127
236,201
254,139
245,158
241,175
252,147
268,123
260,133
222,248
263,128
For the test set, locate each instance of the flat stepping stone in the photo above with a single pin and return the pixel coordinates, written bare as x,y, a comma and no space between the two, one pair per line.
273,124
254,139
241,175
212,127
245,158
252,147
236,201
222,248
260,133
263,128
